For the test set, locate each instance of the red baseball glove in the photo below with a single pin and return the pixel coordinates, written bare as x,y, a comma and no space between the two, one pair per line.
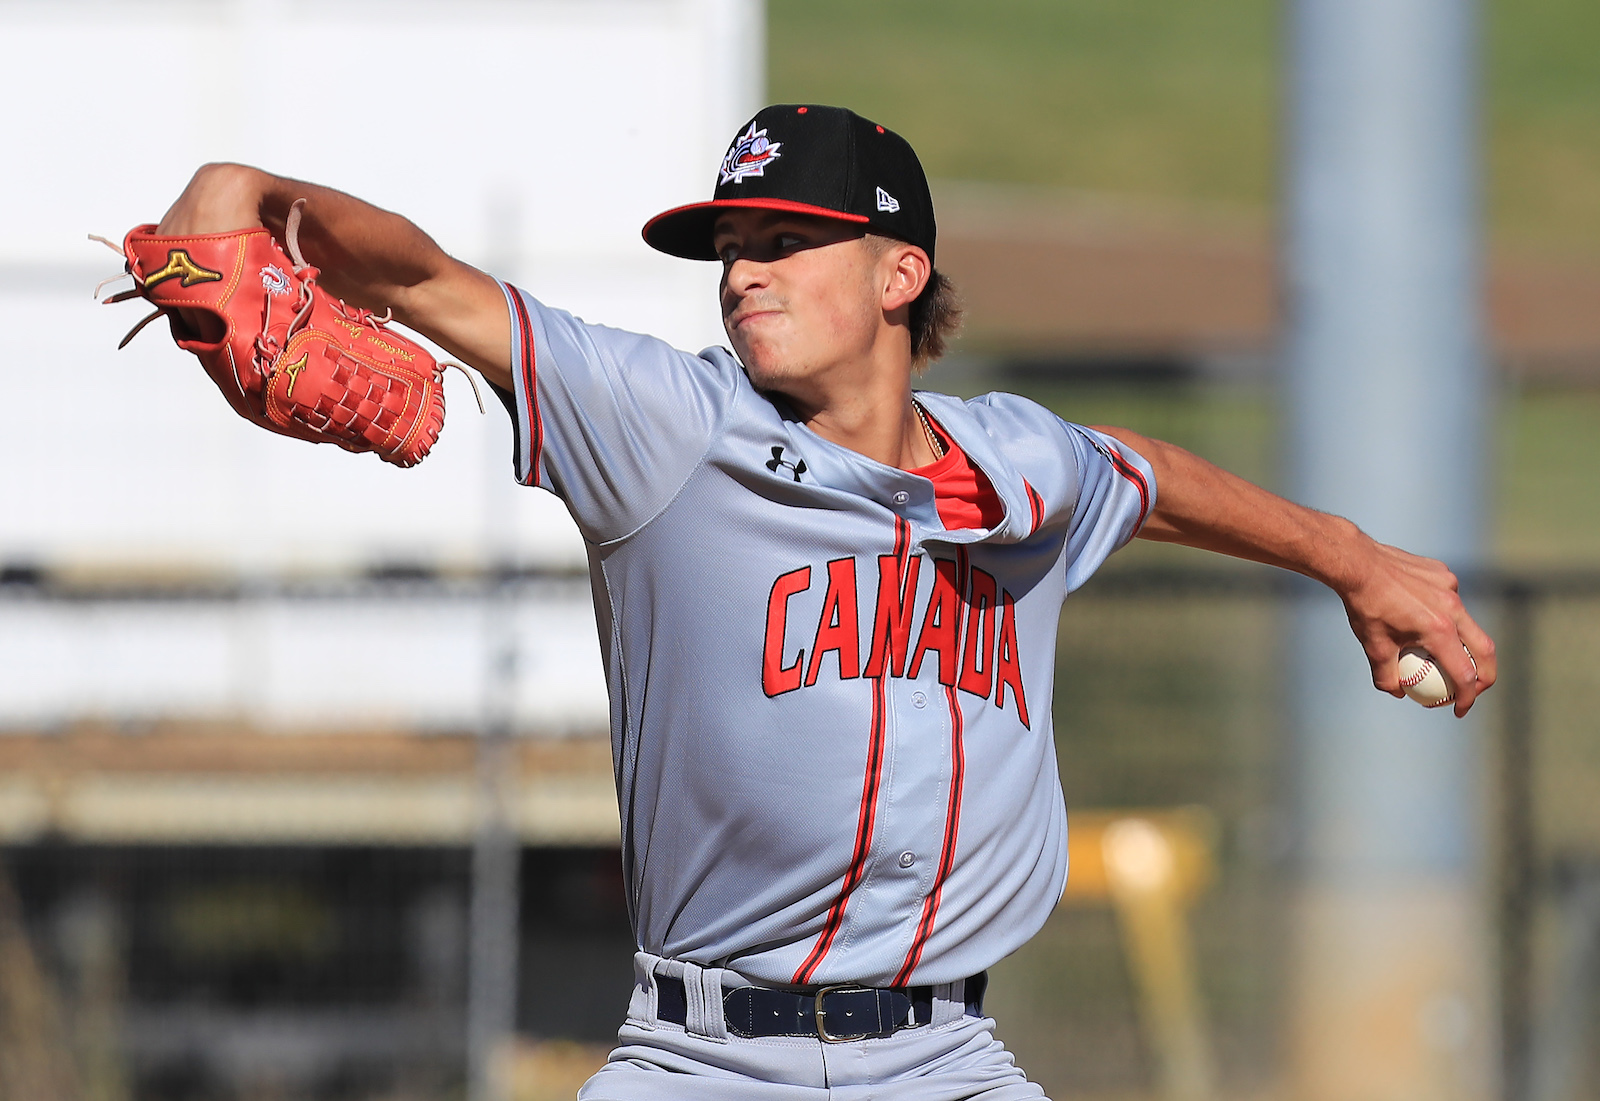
290,358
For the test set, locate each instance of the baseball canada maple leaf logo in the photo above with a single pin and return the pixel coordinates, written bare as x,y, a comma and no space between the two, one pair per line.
749,155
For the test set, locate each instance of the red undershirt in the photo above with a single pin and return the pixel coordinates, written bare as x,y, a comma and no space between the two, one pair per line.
963,494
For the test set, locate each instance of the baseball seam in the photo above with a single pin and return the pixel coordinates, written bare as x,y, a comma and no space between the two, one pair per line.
1420,675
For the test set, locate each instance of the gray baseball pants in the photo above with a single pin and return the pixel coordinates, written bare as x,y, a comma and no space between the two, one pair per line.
954,1058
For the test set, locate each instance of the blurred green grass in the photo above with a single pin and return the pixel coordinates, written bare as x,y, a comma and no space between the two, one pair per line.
1174,100
1543,111
1108,95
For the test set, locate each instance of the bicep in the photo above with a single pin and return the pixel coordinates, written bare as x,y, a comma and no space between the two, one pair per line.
464,311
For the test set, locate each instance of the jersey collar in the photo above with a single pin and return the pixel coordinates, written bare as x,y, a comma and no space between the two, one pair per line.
957,418
911,495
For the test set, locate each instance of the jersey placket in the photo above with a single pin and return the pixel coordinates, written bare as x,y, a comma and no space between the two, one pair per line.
950,835
907,834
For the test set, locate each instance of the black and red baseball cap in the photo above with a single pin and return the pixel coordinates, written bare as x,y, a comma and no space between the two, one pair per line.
809,159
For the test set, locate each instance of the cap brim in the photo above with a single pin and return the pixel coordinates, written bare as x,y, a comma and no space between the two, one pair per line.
687,231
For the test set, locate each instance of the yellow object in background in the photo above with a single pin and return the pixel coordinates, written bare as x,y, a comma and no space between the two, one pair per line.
1150,866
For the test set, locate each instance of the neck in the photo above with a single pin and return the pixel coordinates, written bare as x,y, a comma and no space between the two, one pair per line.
869,410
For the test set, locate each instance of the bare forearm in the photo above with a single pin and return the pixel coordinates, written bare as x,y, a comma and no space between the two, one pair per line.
368,256
1394,599
1198,504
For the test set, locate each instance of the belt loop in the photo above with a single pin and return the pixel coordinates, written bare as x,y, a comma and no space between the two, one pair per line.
712,1017
949,1002
694,1017
645,1006
702,988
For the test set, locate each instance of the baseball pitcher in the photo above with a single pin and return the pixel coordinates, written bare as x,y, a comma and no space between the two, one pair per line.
827,601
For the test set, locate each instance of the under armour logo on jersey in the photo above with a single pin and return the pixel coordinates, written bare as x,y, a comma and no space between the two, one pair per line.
888,202
778,460
749,155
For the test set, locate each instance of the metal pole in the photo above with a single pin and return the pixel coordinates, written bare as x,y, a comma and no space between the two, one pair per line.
496,880
496,852
1385,404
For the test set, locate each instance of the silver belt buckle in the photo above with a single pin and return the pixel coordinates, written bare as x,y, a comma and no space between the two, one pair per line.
822,1028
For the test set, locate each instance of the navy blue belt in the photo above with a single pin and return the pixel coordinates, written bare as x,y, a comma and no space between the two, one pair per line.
830,1013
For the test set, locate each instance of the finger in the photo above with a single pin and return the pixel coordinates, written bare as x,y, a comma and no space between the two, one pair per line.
1481,647
1452,658
1482,681
1455,661
1466,695
1441,642
1386,676
1384,658
1469,674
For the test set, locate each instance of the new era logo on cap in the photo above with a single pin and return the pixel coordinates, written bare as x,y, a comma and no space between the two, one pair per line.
808,159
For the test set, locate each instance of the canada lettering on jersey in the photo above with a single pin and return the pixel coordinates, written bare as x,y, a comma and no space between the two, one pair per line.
967,628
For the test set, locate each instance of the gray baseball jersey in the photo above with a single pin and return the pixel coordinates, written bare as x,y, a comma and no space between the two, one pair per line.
830,715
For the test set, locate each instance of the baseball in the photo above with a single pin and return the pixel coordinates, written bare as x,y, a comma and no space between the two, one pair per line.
1423,680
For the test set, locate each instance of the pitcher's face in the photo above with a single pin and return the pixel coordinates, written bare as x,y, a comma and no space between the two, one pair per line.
801,294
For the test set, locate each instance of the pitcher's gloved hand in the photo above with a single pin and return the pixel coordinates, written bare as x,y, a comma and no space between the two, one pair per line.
283,352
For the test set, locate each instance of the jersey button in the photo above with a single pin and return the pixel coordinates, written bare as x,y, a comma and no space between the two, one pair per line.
918,700
900,497
907,858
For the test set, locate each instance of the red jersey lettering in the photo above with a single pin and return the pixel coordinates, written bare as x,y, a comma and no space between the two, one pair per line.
777,678
980,635
940,623
968,621
1007,666
891,623
838,629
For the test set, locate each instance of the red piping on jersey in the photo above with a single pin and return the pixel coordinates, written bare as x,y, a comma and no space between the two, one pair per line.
1035,506
864,825
1133,474
947,854
867,816
530,386
952,818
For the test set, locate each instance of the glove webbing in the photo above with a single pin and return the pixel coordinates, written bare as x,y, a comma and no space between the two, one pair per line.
367,405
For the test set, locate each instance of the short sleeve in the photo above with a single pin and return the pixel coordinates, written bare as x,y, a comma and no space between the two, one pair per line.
610,421
1116,491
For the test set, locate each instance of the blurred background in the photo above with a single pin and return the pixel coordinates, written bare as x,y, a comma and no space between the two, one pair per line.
305,782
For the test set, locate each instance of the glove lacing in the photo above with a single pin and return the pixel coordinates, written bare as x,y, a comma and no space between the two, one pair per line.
267,348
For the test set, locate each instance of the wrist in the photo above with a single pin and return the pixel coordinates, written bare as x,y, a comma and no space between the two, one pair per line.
1341,554
220,198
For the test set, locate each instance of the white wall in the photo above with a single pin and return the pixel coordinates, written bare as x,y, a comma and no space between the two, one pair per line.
360,660
532,138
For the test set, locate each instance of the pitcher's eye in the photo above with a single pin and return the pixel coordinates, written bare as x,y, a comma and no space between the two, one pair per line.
787,241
